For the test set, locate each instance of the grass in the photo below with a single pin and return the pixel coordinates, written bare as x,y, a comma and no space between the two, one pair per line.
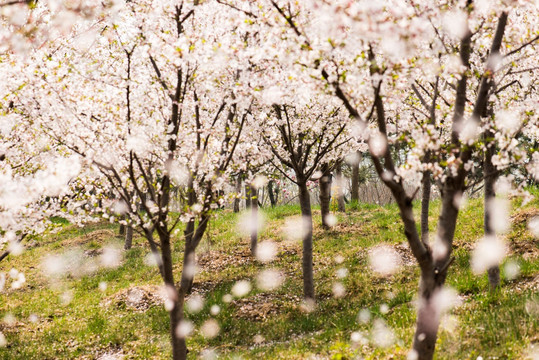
76,317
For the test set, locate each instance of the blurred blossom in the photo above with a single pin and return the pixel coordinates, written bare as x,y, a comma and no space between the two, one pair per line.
66,297
210,328
364,316
353,159
439,249
382,336
338,290
33,318
171,296
377,144
153,259
339,259
209,354
227,298
445,299
533,226
248,223
308,305
266,251
184,329
215,309
9,319
384,308
3,341
194,304
102,286
270,279
259,181
331,220
120,207
511,270
460,200
499,215
295,228
412,355
112,256
384,260
342,273
469,131
359,337
241,288
455,23
508,120
489,252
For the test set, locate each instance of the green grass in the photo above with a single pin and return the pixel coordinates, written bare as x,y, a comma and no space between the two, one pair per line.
39,323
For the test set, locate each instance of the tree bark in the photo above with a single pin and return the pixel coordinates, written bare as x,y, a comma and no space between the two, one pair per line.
247,196
128,237
490,178
307,232
340,189
355,180
271,193
425,202
325,194
238,191
254,219
179,346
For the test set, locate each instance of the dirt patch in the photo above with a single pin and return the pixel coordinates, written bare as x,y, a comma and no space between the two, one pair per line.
138,298
97,235
405,253
216,261
524,284
261,306
524,215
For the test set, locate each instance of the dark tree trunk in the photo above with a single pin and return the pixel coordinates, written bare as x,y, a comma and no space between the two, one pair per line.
355,180
247,196
271,194
128,237
121,231
307,232
490,178
179,346
238,191
425,202
325,194
254,220
340,189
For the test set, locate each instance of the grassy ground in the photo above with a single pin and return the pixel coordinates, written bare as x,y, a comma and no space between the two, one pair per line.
109,313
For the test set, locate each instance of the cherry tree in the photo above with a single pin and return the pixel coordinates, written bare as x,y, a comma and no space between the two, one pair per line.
373,53
155,99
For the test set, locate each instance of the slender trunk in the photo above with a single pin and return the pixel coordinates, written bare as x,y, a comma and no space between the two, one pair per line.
271,194
325,195
490,178
238,191
425,201
355,181
307,232
247,196
128,237
121,231
254,220
340,189
179,346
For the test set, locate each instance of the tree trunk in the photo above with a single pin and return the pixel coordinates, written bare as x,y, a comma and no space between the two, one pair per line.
325,194
254,220
355,180
271,194
179,346
490,178
247,196
128,237
340,189
425,202
307,232
238,192
428,318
